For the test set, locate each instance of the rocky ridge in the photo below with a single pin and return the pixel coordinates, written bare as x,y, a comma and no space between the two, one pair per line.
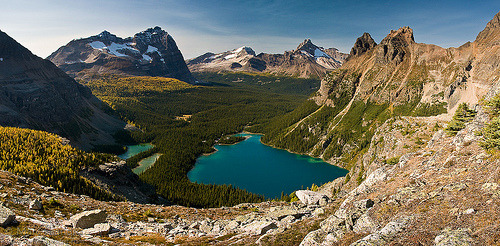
398,77
307,60
152,52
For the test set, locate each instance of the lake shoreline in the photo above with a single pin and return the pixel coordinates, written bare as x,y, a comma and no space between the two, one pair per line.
274,168
156,157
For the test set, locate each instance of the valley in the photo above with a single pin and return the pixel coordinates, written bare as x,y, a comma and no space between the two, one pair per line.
216,110
121,141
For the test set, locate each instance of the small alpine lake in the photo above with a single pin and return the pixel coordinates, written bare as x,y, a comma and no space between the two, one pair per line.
144,163
261,169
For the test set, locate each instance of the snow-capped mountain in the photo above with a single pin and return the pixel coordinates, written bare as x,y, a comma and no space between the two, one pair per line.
152,52
241,59
305,61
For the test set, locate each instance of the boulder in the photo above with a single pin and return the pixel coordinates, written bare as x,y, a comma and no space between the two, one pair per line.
35,205
279,213
450,237
365,224
88,219
259,227
6,216
308,197
45,241
98,230
364,204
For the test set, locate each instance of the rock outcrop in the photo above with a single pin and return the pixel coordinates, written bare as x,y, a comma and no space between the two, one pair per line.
362,45
88,219
7,217
308,197
152,52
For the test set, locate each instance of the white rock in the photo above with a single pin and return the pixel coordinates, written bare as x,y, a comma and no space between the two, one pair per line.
308,197
259,227
35,205
45,241
88,219
6,216
98,229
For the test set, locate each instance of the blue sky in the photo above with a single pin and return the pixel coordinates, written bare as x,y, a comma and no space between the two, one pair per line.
199,26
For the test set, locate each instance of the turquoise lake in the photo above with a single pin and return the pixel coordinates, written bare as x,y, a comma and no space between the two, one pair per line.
146,163
135,149
261,169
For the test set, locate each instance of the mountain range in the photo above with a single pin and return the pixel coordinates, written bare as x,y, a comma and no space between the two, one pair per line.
307,60
36,94
152,52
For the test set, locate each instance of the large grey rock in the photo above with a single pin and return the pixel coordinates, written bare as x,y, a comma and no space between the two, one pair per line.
35,205
88,219
279,213
6,216
365,224
386,234
98,229
312,198
364,204
45,241
457,237
259,227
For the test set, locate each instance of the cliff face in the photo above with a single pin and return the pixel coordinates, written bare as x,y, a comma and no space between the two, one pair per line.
36,94
152,52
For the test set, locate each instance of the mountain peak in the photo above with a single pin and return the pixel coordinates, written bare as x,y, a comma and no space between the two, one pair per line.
245,49
307,46
495,22
403,34
362,44
155,30
491,32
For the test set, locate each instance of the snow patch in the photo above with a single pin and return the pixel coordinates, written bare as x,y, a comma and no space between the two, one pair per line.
230,56
114,48
73,62
147,58
319,53
152,49
215,56
305,53
98,45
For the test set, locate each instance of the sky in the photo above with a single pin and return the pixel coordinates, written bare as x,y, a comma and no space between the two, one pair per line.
270,26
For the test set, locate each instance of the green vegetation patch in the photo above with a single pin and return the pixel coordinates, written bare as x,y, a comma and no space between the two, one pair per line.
462,116
491,132
41,156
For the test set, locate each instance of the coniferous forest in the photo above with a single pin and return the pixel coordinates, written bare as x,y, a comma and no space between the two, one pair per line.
216,109
43,157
